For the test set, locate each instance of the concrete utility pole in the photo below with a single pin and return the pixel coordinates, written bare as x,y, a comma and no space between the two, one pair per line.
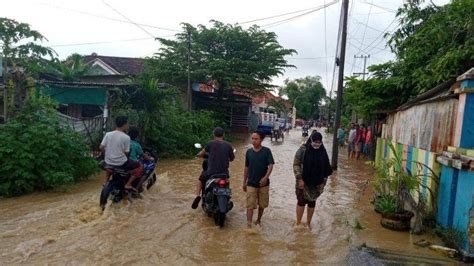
340,80
364,71
189,92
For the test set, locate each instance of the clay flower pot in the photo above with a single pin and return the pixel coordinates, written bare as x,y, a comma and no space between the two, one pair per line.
397,221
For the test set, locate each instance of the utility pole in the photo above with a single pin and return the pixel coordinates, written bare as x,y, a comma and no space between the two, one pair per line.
189,92
340,80
3,74
364,72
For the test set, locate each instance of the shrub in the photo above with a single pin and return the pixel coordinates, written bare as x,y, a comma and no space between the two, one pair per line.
36,153
164,125
386,204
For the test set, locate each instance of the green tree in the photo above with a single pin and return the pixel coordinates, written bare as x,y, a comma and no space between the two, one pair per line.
233,57
164,125
306,94
433,43
70,69
279,106
19,47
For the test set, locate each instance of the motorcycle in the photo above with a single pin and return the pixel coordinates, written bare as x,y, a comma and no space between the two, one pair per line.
114,188
305,131
216,194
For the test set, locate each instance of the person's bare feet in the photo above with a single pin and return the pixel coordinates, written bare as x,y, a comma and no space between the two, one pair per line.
259,223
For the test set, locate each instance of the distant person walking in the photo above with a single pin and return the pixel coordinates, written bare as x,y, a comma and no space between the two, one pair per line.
341,136
358,142
352,137
311,168
258,167
368,142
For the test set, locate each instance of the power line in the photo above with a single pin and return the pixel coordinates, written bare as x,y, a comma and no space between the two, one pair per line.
279,15
128,19
326,45
104,42
107,18
365,29
381,35
277,23
378,6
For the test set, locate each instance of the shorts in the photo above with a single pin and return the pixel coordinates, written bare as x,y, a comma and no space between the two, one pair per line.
366,149
302,201
258,196
358,147
133,167
351,146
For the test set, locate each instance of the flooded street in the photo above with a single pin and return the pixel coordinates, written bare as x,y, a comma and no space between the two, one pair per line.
67,227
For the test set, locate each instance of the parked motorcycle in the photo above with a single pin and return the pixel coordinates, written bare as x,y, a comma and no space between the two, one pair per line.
216,194
115,190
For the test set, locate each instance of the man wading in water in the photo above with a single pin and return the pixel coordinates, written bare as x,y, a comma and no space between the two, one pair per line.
258,167
311,168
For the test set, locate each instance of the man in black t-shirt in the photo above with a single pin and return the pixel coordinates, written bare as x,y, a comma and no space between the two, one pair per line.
258,167
220,153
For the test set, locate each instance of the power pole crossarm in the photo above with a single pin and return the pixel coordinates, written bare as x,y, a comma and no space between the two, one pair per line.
340,80
364,71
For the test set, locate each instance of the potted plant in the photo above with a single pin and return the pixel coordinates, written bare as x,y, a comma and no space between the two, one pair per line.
396,187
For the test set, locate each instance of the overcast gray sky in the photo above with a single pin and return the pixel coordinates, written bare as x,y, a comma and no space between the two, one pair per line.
88,26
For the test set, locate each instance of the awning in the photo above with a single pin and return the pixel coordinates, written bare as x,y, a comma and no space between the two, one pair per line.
75,95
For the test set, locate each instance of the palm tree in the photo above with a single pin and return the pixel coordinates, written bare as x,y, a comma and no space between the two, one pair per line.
70,69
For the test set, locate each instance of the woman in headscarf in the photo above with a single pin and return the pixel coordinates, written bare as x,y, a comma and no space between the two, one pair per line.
311,168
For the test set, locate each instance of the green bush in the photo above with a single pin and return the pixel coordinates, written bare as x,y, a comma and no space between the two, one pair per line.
36,153
386,204
174,132
164,125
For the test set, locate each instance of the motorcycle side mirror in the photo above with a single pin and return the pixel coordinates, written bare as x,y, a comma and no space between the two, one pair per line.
198,145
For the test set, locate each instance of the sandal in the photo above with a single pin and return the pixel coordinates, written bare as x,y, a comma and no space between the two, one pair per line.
196,202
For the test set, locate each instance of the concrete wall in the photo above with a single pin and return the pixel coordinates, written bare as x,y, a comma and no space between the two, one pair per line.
412,154
455,200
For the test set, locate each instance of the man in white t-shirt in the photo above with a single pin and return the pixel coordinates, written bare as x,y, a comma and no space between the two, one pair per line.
116,146
352,137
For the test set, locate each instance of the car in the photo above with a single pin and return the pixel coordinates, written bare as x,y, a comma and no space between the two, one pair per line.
265,127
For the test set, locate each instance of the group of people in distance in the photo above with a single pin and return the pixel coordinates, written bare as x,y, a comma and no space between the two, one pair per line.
359,140
311,169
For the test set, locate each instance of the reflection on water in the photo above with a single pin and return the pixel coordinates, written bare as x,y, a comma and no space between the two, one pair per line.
68,227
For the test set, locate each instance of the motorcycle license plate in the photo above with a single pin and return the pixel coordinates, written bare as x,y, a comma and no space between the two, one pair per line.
221,191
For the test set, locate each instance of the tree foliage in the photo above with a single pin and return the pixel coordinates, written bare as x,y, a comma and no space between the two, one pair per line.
37,153
71,69
433,44
164,125
233,57
23,57
306,94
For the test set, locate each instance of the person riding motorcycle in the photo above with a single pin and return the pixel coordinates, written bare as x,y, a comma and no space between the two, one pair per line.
220,153
116,146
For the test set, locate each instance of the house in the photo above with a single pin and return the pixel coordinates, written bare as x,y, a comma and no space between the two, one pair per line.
112,69
437,130
261,105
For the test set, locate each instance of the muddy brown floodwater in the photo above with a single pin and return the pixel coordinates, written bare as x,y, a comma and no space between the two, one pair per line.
67,227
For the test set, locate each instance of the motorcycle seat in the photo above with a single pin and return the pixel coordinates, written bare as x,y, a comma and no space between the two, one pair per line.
115,170
219,176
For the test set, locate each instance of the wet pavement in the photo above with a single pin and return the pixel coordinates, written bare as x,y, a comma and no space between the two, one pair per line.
67,227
